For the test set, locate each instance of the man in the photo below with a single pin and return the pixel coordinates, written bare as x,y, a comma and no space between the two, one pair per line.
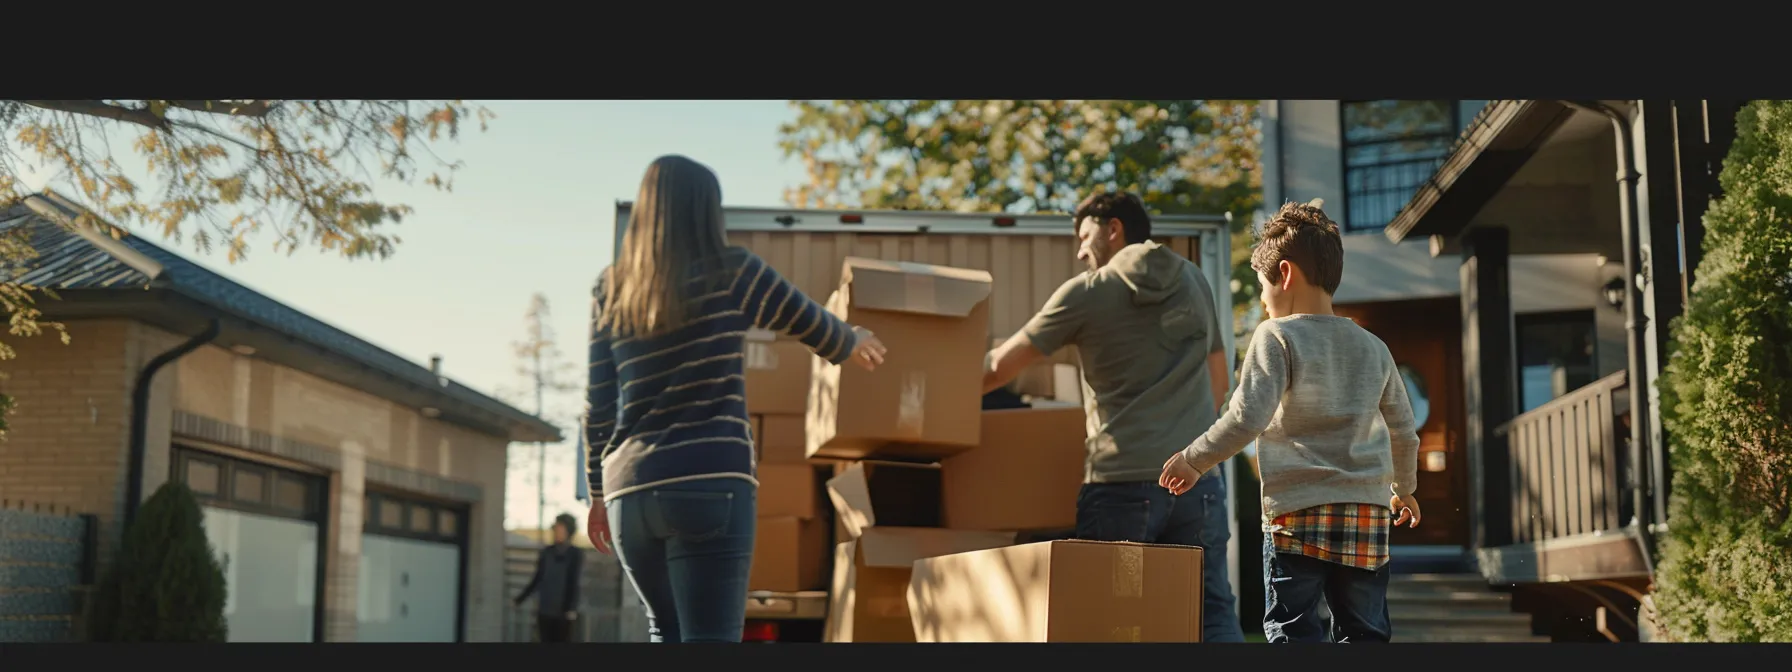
557,575
1143,320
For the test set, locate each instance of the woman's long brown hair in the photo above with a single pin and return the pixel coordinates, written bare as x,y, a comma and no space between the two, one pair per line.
671,252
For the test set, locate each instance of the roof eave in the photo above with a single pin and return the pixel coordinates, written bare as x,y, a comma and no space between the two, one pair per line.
1496,145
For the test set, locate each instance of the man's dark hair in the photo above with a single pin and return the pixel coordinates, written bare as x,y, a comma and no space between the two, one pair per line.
1302,235
570,523
1135,223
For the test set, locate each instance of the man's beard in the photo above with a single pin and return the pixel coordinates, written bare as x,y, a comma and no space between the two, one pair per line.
1099,254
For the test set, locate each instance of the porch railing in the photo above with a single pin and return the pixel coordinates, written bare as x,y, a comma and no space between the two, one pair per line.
1568,460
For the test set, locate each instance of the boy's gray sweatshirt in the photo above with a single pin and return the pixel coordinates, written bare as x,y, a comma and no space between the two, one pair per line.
1328,409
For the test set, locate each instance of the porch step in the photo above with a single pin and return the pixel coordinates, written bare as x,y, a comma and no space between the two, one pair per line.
1454,608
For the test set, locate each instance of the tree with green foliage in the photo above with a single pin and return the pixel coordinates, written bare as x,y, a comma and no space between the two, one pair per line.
1022,156
222,171
1726,563
166,584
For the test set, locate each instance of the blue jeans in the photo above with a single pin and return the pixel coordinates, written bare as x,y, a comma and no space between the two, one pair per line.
687,548
1145,512
1294,584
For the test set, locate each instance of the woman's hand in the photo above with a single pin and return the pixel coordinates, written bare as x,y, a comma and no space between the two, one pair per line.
1178,477
869,352
597,527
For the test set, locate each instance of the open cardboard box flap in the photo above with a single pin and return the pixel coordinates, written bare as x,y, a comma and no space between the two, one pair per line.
908,287
900,547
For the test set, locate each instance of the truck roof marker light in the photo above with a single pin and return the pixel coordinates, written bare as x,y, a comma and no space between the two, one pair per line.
852,219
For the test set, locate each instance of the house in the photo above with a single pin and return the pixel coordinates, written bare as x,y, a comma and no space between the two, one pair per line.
1567,471
356,495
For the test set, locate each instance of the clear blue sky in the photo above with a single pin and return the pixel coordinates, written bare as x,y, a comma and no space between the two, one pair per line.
532,211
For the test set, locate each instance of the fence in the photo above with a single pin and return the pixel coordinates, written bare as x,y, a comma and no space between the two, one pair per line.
47,564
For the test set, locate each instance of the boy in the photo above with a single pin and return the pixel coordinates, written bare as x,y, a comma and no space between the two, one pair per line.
1335,434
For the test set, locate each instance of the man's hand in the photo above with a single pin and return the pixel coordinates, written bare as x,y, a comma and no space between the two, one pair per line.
597,527
1408,507
1178,475
869,352
572,615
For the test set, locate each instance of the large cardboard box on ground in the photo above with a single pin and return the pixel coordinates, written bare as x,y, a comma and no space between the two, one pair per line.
789,554
891,494
1024,475
777,374
790,490
871,576
780,437
923,402
1059,591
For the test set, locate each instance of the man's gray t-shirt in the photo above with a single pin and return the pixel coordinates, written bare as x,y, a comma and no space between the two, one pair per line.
1144,326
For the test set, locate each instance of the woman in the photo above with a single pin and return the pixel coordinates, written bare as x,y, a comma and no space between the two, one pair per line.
672,450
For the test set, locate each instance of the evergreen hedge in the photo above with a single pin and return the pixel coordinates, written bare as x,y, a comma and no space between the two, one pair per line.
1725,573
165,585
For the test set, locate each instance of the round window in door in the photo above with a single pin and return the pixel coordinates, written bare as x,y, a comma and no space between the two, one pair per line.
1416,394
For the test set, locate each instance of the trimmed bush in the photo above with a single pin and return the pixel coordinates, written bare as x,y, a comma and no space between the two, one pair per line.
166,585
1726,565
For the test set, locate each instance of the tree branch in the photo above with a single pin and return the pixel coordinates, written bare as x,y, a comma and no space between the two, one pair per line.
234,108
95,108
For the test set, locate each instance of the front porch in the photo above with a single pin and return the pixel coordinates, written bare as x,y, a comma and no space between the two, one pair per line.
1568,481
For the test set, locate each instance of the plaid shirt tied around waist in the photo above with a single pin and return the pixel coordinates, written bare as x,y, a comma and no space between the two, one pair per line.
1353,535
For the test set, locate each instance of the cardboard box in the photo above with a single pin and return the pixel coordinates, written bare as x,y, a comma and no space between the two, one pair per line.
1025,475
790,490
924,401
1059,591
892,494
789,554
777,375
871,575
780,438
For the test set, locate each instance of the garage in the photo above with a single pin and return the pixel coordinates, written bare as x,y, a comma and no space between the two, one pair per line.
413,570
265,523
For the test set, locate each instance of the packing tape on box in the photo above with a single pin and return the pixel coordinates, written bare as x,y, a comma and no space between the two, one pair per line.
761,357
1129,571
911,408
1129,581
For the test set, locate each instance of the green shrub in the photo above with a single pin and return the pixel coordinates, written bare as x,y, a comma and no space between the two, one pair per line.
165,585
1726,566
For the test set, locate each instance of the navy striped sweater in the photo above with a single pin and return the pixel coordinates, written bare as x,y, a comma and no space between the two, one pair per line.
672,407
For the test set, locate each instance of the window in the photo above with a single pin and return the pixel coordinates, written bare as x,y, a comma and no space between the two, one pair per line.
1391,148
396,515
1555,355
242,485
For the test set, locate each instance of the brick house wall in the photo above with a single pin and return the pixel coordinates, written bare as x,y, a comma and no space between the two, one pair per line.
69,447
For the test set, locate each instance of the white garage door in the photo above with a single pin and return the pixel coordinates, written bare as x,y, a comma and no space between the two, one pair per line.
263,522
411,579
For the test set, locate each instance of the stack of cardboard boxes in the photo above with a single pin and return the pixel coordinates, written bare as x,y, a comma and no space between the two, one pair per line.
930,493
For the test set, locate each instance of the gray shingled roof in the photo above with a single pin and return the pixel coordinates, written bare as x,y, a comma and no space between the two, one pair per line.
68,260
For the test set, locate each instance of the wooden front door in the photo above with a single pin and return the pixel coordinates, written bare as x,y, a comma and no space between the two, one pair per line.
1425,336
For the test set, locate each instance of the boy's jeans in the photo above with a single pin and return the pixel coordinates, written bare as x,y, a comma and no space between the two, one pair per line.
687,548
1145,512
1293,586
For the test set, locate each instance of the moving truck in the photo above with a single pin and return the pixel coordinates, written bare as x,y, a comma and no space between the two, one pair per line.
1027,256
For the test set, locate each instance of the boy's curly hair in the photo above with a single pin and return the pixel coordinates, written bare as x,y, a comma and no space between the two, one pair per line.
1302,235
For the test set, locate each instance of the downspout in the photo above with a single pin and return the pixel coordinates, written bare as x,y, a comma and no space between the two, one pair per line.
1635,322
140,414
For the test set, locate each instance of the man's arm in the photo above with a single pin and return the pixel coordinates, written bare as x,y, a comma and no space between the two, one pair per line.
1260,387
1217,372
1058,324
1008,360
1403,434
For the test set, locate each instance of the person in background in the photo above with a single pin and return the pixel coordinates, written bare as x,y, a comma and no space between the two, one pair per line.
671,447
1335,437
555,584
1144,323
